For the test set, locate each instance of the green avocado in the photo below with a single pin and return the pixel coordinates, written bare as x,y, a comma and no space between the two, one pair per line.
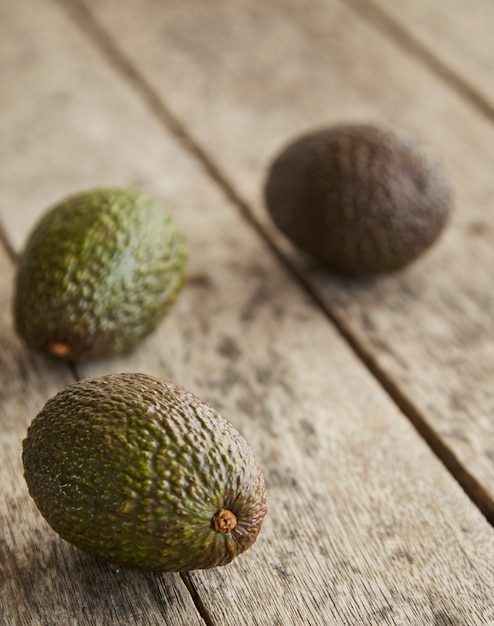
359,198
98,273
140,472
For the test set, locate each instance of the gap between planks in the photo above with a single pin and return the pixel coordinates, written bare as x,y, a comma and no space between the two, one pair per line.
7,246
404,39
85,20
196,599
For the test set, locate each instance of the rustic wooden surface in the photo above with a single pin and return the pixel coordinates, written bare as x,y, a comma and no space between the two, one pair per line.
335,384
457,42
270,70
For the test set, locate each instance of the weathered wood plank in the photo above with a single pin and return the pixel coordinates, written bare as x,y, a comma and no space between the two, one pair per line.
42,579
365,525
246,77
456,37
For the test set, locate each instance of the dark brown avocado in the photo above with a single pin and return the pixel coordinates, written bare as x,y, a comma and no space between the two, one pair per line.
361,199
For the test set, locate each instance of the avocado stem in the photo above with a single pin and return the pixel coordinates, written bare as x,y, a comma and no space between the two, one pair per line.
224,521
59,349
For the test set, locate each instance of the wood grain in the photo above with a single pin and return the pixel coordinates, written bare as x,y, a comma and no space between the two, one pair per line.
245,78
364,524
456,42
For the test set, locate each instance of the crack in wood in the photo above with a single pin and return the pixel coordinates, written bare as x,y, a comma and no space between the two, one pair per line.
196,598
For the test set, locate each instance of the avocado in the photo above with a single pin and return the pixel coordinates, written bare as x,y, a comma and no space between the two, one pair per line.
140,472
98,273
359,198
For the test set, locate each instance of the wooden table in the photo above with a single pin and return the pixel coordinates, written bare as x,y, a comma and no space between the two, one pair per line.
369,403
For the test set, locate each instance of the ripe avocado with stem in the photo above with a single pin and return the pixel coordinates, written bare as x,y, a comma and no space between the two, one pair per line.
98,273
359,198
140,472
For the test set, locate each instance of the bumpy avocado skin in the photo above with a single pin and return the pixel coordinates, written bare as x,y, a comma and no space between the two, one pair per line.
359,198
133,469
98,273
